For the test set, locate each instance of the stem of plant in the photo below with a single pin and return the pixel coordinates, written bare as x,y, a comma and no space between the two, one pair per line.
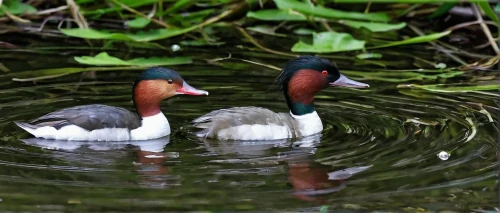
256,43
486,30
160,9
437,46
141,14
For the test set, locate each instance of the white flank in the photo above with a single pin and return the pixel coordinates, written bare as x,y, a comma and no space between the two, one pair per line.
254,132
307,124
152,127
76,133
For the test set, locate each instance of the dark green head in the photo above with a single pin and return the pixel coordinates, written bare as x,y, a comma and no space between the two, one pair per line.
160,73
302,77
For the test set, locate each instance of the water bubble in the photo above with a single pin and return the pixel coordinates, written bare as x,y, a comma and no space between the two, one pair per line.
175,47
440,66
443,155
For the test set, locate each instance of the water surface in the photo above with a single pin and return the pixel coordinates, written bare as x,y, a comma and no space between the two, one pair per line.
378,150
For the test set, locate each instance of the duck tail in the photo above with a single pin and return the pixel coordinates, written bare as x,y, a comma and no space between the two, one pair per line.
27,127
203,133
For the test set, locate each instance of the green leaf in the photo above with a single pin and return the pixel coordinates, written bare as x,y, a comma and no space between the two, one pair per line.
179,5
131,4
368,55
201,43
444,8
266,29
327,42
453,89
485,6
44,74
327,12
103,59
138,22
16,7
374,27
140,36
303,31
419,39
277,15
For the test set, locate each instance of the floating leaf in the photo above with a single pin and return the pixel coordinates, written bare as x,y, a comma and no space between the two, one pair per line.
277,15
398,76
444,8
327,42
141,36
266,29
327,12
138,22
103,59
145,45
452,88
43,74
303,31
201,43
485,6
368,55
16,7
372,26
414,40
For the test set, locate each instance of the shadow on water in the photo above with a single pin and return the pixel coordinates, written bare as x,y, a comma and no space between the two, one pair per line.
378,150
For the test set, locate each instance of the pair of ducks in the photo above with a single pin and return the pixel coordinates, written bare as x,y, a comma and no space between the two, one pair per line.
300,79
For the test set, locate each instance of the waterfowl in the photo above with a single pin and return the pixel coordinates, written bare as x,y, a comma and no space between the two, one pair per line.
300,79
98,122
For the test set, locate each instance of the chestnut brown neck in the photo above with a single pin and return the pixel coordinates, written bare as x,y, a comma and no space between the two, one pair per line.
301,90
148,95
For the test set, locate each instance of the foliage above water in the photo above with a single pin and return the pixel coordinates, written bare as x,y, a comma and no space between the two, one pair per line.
335,27
326,27
103,59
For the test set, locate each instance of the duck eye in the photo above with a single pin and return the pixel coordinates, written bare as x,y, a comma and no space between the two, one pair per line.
170,81
324,73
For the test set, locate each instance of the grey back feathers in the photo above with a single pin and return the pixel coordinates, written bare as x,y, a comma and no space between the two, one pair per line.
217,120
89,117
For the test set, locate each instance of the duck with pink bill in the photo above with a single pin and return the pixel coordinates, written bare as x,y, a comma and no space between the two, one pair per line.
98,122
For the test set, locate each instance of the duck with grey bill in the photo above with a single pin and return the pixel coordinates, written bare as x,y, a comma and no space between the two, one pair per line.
98,122
300,79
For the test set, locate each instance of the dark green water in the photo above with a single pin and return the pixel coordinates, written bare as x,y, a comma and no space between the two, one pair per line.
379,146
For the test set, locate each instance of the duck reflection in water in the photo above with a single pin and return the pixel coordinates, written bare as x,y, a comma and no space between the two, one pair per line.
149,159
309,180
